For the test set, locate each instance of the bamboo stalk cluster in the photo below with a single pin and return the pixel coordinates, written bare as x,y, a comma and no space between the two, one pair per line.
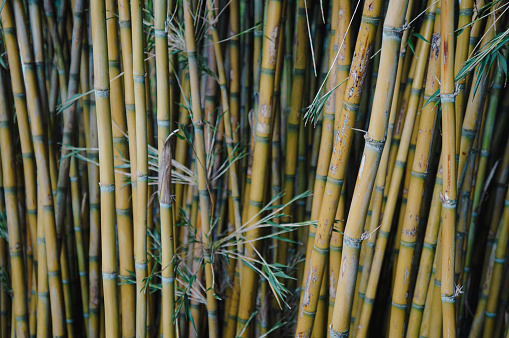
235,168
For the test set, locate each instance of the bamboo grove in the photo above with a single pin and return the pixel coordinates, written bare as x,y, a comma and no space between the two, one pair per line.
236,168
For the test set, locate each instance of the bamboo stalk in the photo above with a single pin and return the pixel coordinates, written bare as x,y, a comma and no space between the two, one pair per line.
378,201
375,139
124,22
419,174
78,233
140,237
37,128
106,169
449,166
206,235
20,309
260,156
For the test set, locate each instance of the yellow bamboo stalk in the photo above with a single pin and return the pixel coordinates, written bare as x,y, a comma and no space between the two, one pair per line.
418,174
165,158
124,22
140,237
19,287
106,167
20,104
375,139
326,139
301,47
229,122
348,97
206,235
449,166
260,165
121,154
38,135
43,299
377,199
433,307
167,243
425,275
78,233
69,120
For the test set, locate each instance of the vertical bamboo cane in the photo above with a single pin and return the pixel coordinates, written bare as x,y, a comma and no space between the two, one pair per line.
260,165
106,169
140,237
20,310
375,139
449,165
418,176
202,170
40,146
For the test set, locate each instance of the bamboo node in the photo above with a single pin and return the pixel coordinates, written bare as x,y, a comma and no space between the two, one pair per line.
499,260
107,187
124,23
109,275
161,33
378,145
447,98
168,280
447,202
393,32
163,123
354,242
336,334
139,78
102,92
451,299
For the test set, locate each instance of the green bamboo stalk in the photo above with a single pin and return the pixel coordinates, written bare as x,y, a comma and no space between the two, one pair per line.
496,280
475,104
462,46
481,172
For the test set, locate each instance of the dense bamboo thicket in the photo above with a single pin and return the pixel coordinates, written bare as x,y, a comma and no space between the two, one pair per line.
237,168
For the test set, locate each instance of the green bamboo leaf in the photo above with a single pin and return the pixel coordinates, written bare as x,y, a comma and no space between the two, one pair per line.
72,100
419,36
